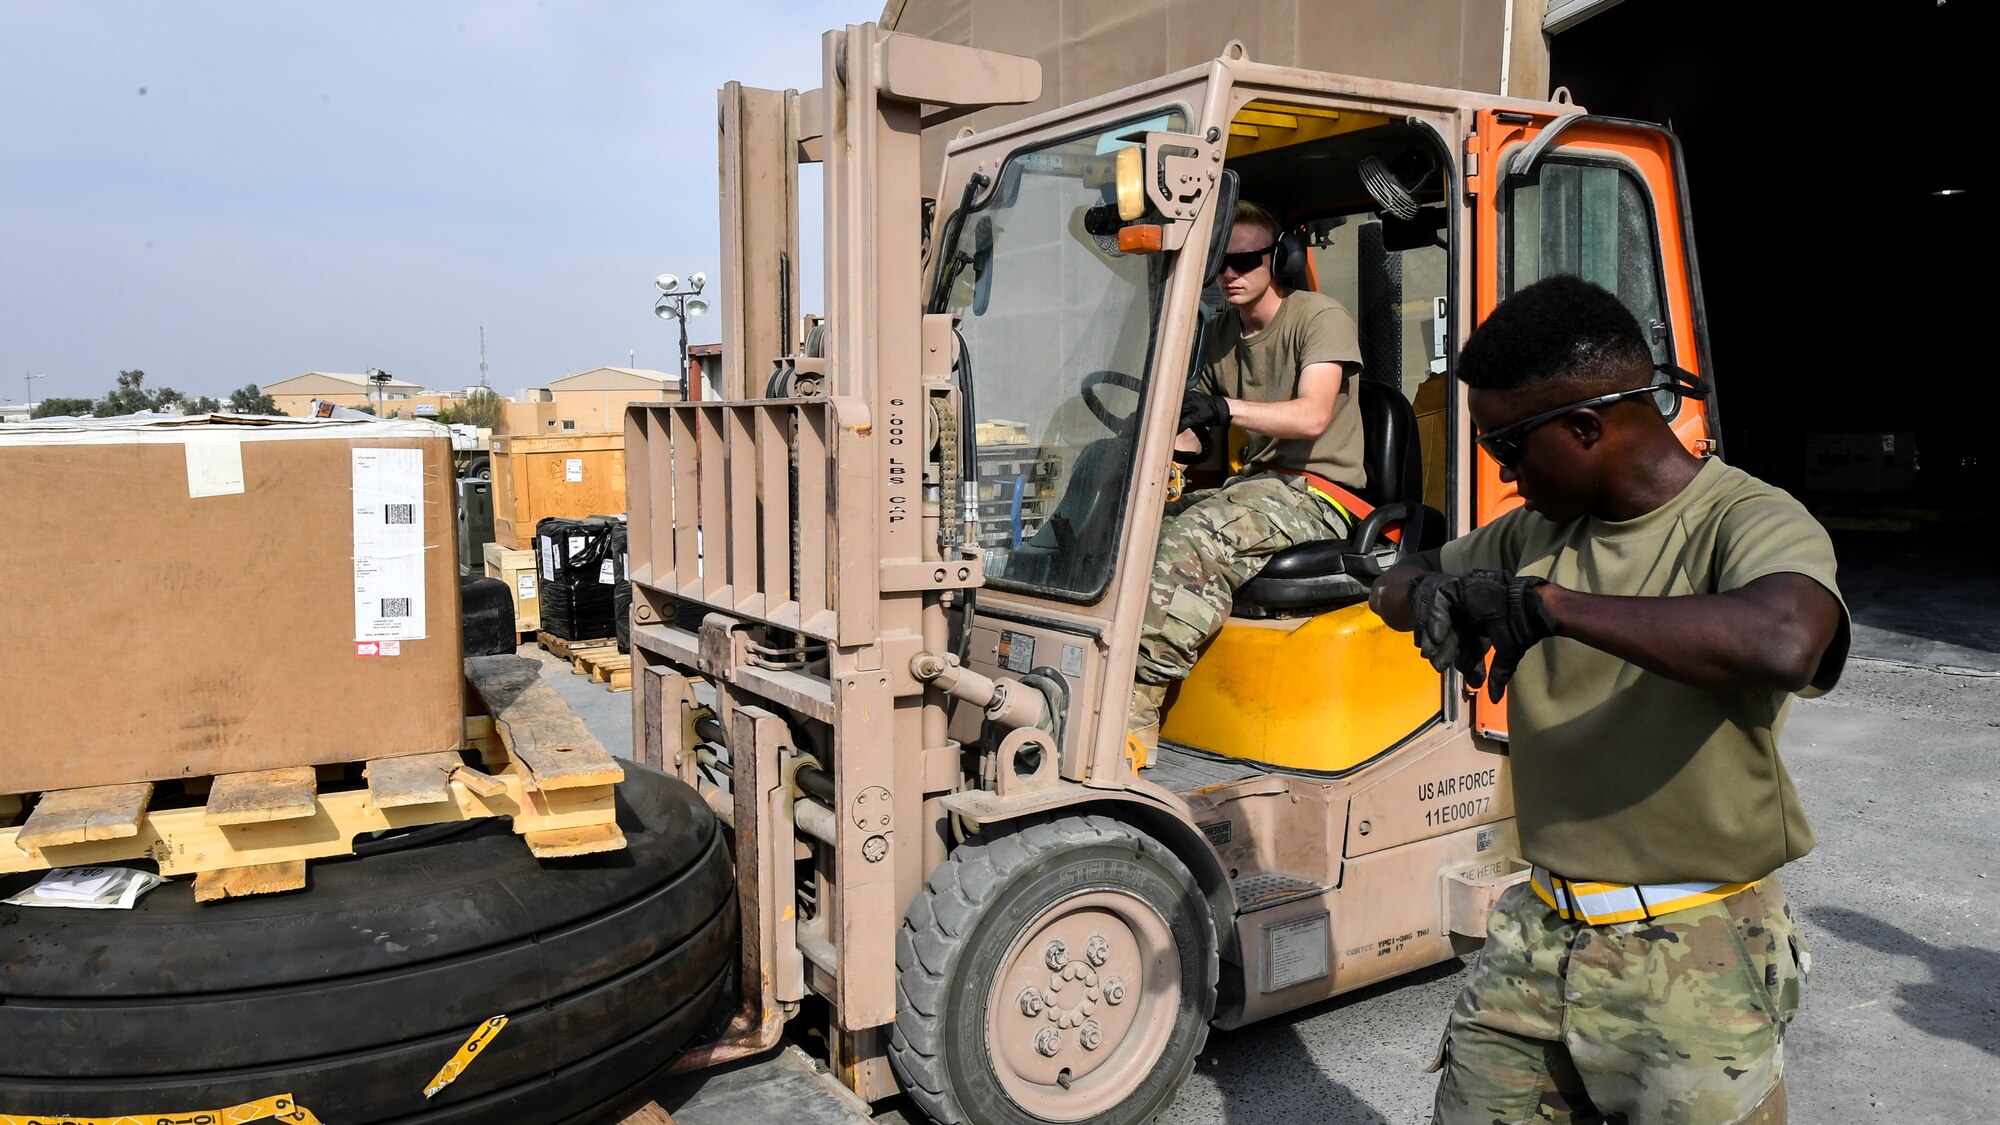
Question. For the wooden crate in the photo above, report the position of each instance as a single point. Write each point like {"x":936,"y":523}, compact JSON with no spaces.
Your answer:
{"x":570,"y":475}
{"x":516,"y":568}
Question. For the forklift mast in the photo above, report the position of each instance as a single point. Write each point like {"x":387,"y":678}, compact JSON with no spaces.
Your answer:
{"x":808,"y":508}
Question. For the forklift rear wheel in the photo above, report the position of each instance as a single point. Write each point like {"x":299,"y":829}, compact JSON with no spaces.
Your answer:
{"x":1062,"y":972}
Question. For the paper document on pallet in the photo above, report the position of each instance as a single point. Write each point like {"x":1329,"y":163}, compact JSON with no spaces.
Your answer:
{"x":89,"y":888}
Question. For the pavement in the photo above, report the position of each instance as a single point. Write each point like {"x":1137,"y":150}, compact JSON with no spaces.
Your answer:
{"x":607,"y":713}
{"x":1899,"y":771}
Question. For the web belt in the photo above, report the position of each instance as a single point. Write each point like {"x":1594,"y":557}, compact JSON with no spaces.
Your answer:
{"x":1601,"y":904}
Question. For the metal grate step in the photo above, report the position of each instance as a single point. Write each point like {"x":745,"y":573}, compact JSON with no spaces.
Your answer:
{"x":1271,"y":888}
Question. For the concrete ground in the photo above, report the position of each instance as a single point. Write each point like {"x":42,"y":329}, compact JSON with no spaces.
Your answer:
{"x":1899,"y":770}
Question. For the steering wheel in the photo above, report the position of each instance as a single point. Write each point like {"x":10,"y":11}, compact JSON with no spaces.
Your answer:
{"x":1115,"y":423}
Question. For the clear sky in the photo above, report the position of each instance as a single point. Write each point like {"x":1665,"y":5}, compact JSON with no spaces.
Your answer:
{"x":222,"y":194}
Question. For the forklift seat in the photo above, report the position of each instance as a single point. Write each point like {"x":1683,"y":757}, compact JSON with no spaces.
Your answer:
{"x":1329,"y":573}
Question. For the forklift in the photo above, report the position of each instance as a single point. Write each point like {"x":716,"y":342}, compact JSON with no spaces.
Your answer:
{"x":887,"y":591}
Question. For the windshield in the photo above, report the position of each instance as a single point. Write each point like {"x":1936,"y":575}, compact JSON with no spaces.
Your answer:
{"x":1059,"y":327}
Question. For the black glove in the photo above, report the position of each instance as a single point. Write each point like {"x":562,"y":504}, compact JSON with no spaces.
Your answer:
{"x":1444,"y":636}
{"x":1200,"y":411}
{"x":1507,"y":612}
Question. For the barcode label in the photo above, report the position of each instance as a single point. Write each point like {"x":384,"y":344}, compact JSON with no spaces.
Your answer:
{"x":390,"y":547}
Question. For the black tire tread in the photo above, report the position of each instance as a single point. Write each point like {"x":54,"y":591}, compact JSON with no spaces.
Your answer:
{"x":606,"y":965}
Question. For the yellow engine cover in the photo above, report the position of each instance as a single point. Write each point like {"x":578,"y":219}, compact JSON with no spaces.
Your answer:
{"x":1319,"y":693}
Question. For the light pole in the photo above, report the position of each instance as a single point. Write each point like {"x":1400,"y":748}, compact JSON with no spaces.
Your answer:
{"x":30,"y":403}
{"x":679,"y":304}
{"x":379,"y":379}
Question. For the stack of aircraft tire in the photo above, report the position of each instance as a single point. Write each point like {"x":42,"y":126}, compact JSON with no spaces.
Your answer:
{"x":352,"y":994}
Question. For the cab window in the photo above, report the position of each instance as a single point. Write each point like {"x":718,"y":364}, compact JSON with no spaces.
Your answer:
{"x":1058,"y":325}
{"x":1594,"y":221}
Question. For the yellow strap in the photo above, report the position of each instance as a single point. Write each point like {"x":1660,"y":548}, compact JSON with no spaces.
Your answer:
{"x":277,"y":1107}
{"x":1650,"y":910}
{"x":1337,"y":505}
{"x":476,"y":1042}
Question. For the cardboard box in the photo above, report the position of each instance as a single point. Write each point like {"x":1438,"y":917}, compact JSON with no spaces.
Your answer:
{"x":194,"y":596}
{"x":517,"y":569}
{"x":567,"y":475}
{"x":1861,"y":462}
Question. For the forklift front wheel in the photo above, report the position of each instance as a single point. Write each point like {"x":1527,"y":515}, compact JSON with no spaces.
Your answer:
{"x":1062,"y":972}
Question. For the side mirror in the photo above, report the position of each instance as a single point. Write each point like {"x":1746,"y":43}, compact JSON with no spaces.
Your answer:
{"x":982,"y":264}
{"x":1226,"y":194}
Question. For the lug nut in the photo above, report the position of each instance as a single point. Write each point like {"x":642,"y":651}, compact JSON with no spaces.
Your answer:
{"x":1114,"y":991}
{"x":1097,"y":951}
{"x":1031,"y":1002}
{"x":1048,"y":1041}
{"x":1056,"y":955}
{"x":1090,"y":1035}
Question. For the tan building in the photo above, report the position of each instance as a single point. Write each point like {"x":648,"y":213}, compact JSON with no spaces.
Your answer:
{"x":593,"y":402}
{"x":531,"y":411}
{"x":294,"y":396}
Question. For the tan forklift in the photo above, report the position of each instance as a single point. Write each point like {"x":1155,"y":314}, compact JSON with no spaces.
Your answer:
{"x":918,"y":549}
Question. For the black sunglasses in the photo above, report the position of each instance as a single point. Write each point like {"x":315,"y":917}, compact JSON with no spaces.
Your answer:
{"x":1243,"y":261}
{"x":1505,"y":444}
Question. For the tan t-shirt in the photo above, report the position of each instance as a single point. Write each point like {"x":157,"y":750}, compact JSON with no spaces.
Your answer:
{"x":1309,"y":328}
{"x":1624,"y":776}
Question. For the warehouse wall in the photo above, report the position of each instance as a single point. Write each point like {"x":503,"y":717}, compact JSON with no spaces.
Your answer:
{"x":1091,"y":47}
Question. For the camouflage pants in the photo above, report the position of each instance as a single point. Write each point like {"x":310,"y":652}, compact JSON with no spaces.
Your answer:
{"x":1212,"y":542}
{"x":1676,"y":1021}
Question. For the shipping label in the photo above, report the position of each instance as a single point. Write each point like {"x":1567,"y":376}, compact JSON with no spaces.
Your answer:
{"x":214,"y":465}
{"x":388,"y":544}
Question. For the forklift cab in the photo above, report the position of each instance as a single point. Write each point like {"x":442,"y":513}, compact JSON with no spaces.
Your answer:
{"x":1061,"y":395}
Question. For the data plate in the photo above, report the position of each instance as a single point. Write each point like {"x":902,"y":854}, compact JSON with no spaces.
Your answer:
{"x":1017,"y":651}
{"x":1295,"y":952}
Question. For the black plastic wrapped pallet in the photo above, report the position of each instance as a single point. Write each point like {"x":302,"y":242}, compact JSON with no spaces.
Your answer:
{"x":621,"y":594}
{"x":578,"y":576}
{"x":487,"y":619}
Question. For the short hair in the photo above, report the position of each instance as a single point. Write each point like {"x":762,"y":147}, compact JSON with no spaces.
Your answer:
{"x":1248,"y":212}
{"x":1560,"y":328}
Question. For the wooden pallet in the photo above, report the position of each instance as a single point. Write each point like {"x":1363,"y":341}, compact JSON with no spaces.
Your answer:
{"x":528,"y":757}
{"x":566,"y":649}
{"x":604,"y":665}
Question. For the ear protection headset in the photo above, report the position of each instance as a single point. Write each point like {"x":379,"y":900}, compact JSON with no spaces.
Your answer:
{"x":1290,"y":251}
{"x":1288,"y":248}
